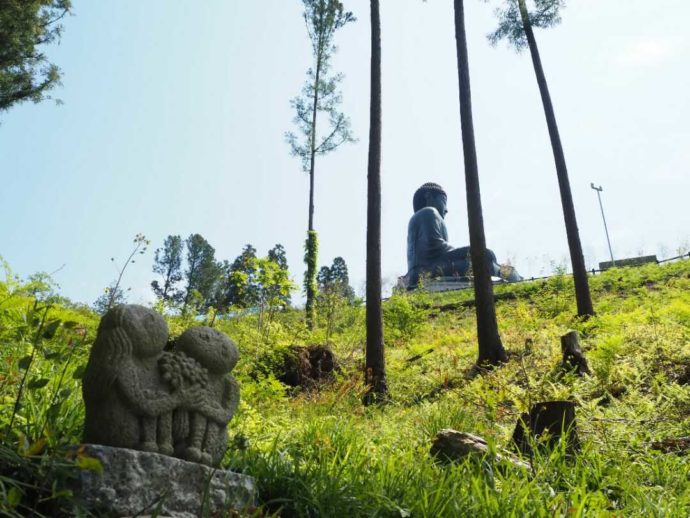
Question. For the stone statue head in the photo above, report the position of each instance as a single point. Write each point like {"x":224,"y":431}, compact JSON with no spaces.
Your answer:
{"x":126,"y":332}
{"x":211,"y":348}
{"x":430,"y":195}
{"x":133,"y":330}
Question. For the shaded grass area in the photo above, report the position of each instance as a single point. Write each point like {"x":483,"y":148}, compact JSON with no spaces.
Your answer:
{"x":320,"y":453}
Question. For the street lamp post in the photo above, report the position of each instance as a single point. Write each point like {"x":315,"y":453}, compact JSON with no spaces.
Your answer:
{"x":601,"y":206}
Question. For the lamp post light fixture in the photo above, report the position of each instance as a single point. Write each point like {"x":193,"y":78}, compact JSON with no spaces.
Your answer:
{"x":601,"y":206}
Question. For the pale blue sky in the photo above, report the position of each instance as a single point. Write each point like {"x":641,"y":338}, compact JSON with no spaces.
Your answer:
{"x":174,"y":114}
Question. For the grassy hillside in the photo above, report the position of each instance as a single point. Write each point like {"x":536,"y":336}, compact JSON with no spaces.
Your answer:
{"x":319,"y":452}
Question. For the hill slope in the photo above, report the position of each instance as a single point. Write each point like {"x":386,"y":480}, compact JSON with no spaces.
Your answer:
{"x":318,"y":452}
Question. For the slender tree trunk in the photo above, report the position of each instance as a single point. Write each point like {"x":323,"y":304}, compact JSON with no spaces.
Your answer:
{"x":582,"y":294}
{"x":168,"y":283}
{"x":491,"y":350}
{"x":375,"y":375}
{"x":312,"y":151}
{"x":311,"y":259}
{"x":190,"y":282}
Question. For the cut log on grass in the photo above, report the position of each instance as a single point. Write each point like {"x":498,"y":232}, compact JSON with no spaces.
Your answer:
{"x":546,"y":423}
{"x":677,"y":445}
{"x":453,"y":446}
{"x":573,"y":358}
{"x":420,"y":355}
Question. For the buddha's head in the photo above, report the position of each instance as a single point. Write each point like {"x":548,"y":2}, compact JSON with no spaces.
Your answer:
{"x":430,"y":195}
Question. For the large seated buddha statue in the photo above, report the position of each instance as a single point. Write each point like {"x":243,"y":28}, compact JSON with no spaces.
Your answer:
{"x":428,"y":251}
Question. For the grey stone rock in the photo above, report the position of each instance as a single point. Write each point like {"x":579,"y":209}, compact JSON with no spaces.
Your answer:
{"x":452,"y":446}
{"x":141,"y":397}
{"x":135,"y":483}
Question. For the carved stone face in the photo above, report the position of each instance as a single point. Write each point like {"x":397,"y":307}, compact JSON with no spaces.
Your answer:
{"x":438,"y":201}
{"x":211,"y":348}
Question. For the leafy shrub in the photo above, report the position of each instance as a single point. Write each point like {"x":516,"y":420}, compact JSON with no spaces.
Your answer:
{"x":402,"y":318}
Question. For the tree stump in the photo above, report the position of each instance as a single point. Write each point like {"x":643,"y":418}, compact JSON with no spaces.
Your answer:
{"x":547,"y":422}
{"x":573,"y":358}
{"x":306,"y":367}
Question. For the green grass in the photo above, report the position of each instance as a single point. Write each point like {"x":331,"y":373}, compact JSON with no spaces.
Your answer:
{"x":321,"y":453}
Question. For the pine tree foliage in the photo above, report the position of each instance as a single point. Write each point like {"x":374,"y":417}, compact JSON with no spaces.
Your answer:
{"x":168,"y":264}
{"x":202,"y":272}
{"x":278,"y":255}
{"x":335,"y":280}
{"x":334,"y":292}
{"x":246,"y":282}
{"x":321,"y":91}
{"x":546,"y":13}
{"x":25,"y":27}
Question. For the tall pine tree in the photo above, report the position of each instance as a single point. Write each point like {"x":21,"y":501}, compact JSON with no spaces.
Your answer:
{"x":320,"y":95}
{"x":491,"y":351}
{"x":375,"y":365}
{"x":515,"y":24}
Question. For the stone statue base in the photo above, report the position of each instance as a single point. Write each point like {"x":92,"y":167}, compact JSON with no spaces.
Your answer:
{"x":442,"y":283}
{"x":135,"y":483}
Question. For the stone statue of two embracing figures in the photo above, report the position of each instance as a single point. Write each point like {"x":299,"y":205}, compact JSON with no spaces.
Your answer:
{"x":139,"y":395}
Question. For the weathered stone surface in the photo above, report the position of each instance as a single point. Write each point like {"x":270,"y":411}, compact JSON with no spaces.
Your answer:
{"x":200,"y":431}
{"x":630,"y":261}
{"x":141,"y":397}
{"x":451,"y":446}
{"x":135,"y":483}
{"x":438,"y":284}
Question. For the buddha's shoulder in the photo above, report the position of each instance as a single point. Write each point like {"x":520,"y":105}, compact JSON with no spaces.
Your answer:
{"x":425,"y":214}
